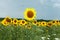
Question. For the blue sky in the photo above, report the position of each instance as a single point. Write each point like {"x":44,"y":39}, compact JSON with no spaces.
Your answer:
{"x":46,"y":9}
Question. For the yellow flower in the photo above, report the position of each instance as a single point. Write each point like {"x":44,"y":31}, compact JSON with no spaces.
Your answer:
{"x":49,"y":24}
{"x":43,"y":23}
{"x":59,"y":23}
{"x":15,"y":22}
{"x":38,"y":24}
{"x":30,"y":14}
{"x":19,"y":21}
{"x":28,"y":27}
{"x":23,"y":22}
{"x":55,"y":22}
{"x":34,"y":22}
{"x":8,"y":19}
{"x":5,"y":23}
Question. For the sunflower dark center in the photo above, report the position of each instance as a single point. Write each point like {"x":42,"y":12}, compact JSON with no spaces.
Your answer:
{"x":43,"y":23}
{"x":30,"y":14}
{"x":34,"y":21}
{"x":8,"y":20}
{"x":23,"y":22}
{"x":37,"y":24}
{"x":49,"y":24}
{"x":53,"y":21}
{"x":57,"y":21}
{"x":28,"y":26}
{"x":15,"y":21}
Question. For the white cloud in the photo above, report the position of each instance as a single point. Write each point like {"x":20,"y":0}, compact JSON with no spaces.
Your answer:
{"x":56,"y":1}
{"x":57,"y":5}
{"x":42,"y":1}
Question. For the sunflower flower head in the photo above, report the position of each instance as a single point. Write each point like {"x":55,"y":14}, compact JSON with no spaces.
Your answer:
{"x":43,"y":23}
{"x":5,"y":23}
{"x":38,"y":24}
{"x":49,"y":24}
{"x":34,"y":22}
{"x":55,"y":22}
{"x":28,"y":27}
{"x":23,"y":22}
{"x":15,"y":21}
{"x":30,"y":14}
{"x":8,"y":19}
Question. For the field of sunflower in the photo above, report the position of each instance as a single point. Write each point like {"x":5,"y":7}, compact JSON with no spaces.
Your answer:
{"x":29,"y":28}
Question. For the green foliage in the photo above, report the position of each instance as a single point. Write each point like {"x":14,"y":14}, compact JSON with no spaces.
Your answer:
{"x":35,"y":33}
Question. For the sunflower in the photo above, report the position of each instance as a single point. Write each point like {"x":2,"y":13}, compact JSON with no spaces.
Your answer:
{"x":29,"y":14}
{"x":34,"y":22}
{"x":23,"y":22}
{"x":28,"y":27}
{"x":5,"y":23}
{"x":19,"y":21}
{"x":55,"y":22}
{"x":43,"y":23}
{"x":8,"y":19}
{"x":59,"y":23}
{"x":38,"y":24}
{"x":15,"y":22}
{"x":49,"y":24}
